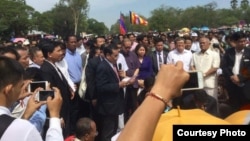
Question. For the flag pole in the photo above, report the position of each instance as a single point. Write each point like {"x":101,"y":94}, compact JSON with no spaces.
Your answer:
{"x":131,"y":22}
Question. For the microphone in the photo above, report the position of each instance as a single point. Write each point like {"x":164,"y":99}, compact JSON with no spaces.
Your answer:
{"x":119,"y":66}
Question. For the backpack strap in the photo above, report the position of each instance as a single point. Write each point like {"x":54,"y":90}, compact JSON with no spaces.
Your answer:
{"x":6,"y":120}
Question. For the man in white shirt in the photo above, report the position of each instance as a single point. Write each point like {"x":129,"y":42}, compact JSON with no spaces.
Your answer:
{"x":195,"y":44}
{"x":122,"y":68}
{"x":180,"y":54}
{"x":11,"y":74}
{"x":207,"y":61}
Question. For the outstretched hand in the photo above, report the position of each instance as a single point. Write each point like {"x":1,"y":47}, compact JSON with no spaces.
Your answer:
{"x":169,"y":80}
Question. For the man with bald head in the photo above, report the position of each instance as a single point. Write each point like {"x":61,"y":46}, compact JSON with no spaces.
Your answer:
{"x":207,"y":61}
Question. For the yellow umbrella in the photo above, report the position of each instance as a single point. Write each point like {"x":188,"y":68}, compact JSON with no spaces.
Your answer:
{"x":240,"y":117}
{"x":164,"y":128}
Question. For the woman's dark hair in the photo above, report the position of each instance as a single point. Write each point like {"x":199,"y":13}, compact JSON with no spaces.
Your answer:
{"x":138,"y":47}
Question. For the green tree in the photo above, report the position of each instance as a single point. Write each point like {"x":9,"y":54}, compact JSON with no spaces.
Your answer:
{"x":227,"y":17}
{"x":63,"y":24}
{"x":164,"y":18}
{"x":234,"y":4}
{"x":14,"y":17}
{"x":44,"y":22}
{"x":95,"y":27}
{"x":22,"y":1}
{"x":79,"y":10}
{"x":244,"y":4}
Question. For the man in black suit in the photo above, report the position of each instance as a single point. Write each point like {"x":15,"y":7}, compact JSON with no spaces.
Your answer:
{"x":90,"y":73}
{"x":91,"y":91}
{"x":236,"y":69}
{"x":110,"y":95}
{"x":159,"y":56}
{"x":52,"y":52}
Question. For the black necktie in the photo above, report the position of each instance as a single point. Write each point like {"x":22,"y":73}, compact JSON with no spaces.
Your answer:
{"x":160,"y":59}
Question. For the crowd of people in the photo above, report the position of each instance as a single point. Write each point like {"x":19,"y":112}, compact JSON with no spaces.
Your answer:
{"x":103,"y":84}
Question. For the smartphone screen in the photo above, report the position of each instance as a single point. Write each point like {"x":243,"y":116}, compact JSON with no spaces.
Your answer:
{"x":193,"y":81}
{"x":43,"y":95}
{"x":34,"y":85}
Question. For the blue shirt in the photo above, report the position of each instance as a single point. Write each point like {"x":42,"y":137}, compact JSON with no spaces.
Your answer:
{"x":74,"y":62}
{"x":38,"y":118}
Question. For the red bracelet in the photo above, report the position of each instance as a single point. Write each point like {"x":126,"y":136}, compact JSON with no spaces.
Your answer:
{"x":158,"y":97}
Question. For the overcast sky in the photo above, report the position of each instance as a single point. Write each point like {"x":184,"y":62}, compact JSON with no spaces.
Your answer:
{"x":108,"y":11}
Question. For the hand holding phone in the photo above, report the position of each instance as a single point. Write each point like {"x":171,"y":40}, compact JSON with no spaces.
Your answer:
{"x":54,"y":105}
{"x":32,"y":107}
{"x":44,"y":94}
{"x":195,"y":81}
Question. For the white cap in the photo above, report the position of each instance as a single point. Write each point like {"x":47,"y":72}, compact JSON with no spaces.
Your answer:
{"x":194,"y":34}
{"x":26,"y":42}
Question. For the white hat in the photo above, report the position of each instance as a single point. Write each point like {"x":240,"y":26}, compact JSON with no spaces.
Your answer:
{"x":194,"y":34}
{"x":26,"y":42}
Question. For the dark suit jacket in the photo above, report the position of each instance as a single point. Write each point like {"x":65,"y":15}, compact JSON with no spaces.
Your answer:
{"x":110,"y":98}
{"x":154,"y":56}
{"x":50,"y":74}
{"x":90,"y":73}
{"x":228,"y":64}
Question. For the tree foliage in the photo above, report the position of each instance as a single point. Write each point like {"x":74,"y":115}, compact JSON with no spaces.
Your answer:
{"x":96,"y":27}
{"x":78,"y":10}
{"x":164,"y":17}
{"x":244,"y":4}
{"x":71,"y":17}
{"x":234,"y":4}
{"x":14,"y":17}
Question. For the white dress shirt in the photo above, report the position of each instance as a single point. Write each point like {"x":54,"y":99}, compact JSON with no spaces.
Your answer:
{"x":196,"y":46}
{"x":81,"y":49}
{"x":63,"y":66}
{"x":185,"y":57}
{"x":23,"y":130}
{"x":238,"y":56}
{"x":205,"y":61}
{"x":32,"y":64}
{"x":162,"y":58}
{"x":121,"y":60}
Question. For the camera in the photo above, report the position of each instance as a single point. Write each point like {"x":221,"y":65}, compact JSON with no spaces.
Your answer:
{"x":43,"y":95}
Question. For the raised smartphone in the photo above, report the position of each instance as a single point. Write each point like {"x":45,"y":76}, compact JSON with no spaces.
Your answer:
{"x":195,"y":81}
{"x":36,"y":84}
{"x":43,"y":95}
